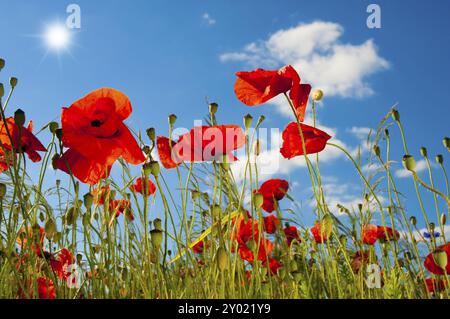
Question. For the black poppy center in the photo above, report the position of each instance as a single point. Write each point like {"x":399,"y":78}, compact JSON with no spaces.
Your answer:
{"x":96,"y":123}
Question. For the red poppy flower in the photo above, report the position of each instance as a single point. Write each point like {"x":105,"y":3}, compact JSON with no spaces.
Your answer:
{"x":93,"y":127}
{"x":165,"y":147}
{"x":274,"y":265}
{"x":22,"y":139}
{"x":119,"y":206}
{"x":271,"y":223}
{"x":100,"y":195}
{"x":258,"y":86}
{"x":435,"y":285}
{"x":273,"y":191}
{"x":60,"y":265}
{"x":246,"y":230}
{"x":207,"y":143}
{"x":264,"y":250}
{"x":198,"y":247}
{"x":431,"y":265}
{"x":139,"y":187}
{"x":315,"y":140}
{"x":369,"y":234}
{"x":46,"y":288}
{"x":387,"y":233}
{"x":291,"y":233}
{"x":319,"y":235}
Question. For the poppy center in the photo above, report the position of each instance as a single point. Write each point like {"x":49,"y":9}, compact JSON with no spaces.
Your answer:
{"x":96,"y":123}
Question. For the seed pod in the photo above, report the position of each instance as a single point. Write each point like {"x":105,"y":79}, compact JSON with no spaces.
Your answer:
{"x":423,"y":151}
{"x":53,"y":126}
{"x":260,"y":120}
{"x":19,"y":117}
{"x":151,"y":133}
{"x":71,"y":216}
{"x":409,"y":163}
{"x":222,"y":258}
{"x":172,"y":119}
{"x":440,"y":159}
{"x":258,"y":200}
{"x":396,"y":115}
{"x":50,"y":228}
{"x":248,"y":119}
{"x":157,"y":223}
{"x":446,"y":143}
{"x":413,"y":220}
{"x":88,"y":199}
{"x":376,"y":150}
{"x":386,"y":132}
{"x":13,"y":81}
{"x":317,"y":95}
{"x":440,"y":258}
{"x":2,"y":64}
{"x":443,"y":219}
{"x":213,"y":107}
{"x":155,"y":168}
{"x":156,"y":237}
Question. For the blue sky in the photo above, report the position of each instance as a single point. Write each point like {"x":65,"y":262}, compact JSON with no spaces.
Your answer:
{"x":169,"y":57}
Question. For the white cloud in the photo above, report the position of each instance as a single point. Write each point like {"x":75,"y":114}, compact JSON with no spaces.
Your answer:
{"x":208,"y":19}
{"x":315,"y":51}
{"x":404,"y":173}
{"x":360,"y":132}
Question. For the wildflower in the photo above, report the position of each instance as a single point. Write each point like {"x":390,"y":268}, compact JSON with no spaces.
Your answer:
{"x":165,"y":146}
{"x":321,"y":230}
{"x":199,"y":247}
{"x":273,"y":191}
{"x":271,"y":223}
{"x":31,"y":238}
{"x":387,"y":234}
{"x":315,"y":140}
{"x":119,"y":206}
{"x":46,"y":288}
{"x":291,"y":234}
{"x":264,"y":250}
{"x":369,"y":234}
{"x":101,"y":194}
{"x":436,"y":263}
{"x":139,"y":187}
{"x":435,"y":285}
{"x":94,"y":132}
{"x":428,"y":235}
{"x":274,"y":265}
{"x":259,"y":86}
{"x":60,"y":264}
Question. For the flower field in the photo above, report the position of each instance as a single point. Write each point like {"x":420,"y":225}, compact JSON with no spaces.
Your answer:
{"x":208,"y":235}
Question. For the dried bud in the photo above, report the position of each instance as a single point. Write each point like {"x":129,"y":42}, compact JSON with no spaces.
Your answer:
{"x":151,"y":134}
{"x":88,"y":199}
{"x":156,"y":237}
{"x":257,"y":147}
{"x":413,"y":220}
{"x":409,"y":163}
{"x":376,"y":150}
{"x":443,"y":219}
{"x":213,"y":107}
{"x":146,"y":149}
{"x":172,"y":119}
{"x":386,"y":132}
{"x":396,"y":115}
{"x":53,"y":126}
{"x":19,"y":117}
{"x":440,"y":159}
{"x":13,"y":82}
{"x":317,"y":95}
{"x":446,"y":143}
{"x":248,"y":119}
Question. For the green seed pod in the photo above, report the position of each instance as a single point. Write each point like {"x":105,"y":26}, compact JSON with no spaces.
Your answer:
{"x":297,"y":276}
{"x":260,"y":120}
{"x":248,"y":120}
{"x":19,"y":117}
{"x":216,"y":211}
{"x":13,"y":82}
{"x":213,"y":107}
{"x":146,"y":149}
{"x":317,"y":95}
{"x":71,"y":216}
{"x":50,"y":228}
{"x":413,"y":220}
{"x":222,"y":258}
{"x":53,"y":126}
{"x":258,"y":200}
{"x":172,"y":119}
{"x":293,"y":266}
{"x":2,"y":64}
{"x":446,"y":143}
{"x":157,"y":223}
{"x":440,"y":258}
{"x":376,"y":150}
{"x":86,"y":220}
{"x":396,"y":115}
{"x":409,"y":163}
{"x":151,"y":133}
{"x":443,"y":219}
{"x":2,"y":190}
{"x":423,"y":151}
{"x":155,"y":168}
{"x":156,"y":237}
{"x":440,"y":159}
{"x":88,"y":199}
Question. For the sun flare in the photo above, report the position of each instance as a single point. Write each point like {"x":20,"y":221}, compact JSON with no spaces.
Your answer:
{"x":57,"y":36}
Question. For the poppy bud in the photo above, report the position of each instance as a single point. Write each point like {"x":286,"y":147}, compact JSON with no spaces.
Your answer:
{"x":151,"y":134}
{"x":157,"y":224}
{"x":154,"y":168}
{"x":2,"y":90}
{"x":446,"y":142}
{"x":88,"y":199}
{"x":213,"y":107}
{"x":71,"y":216}
{"x":195,"y":195}
{"x":413,"y":220}
{"x":19,"y":117}
{"x":440,"y":159}
{"x":443,"y":219}
{"x":13,"y":82}
{"x":409,"y":163}
{"x":258,"y":200}
{"x":317,"y":95}
{"x":222,"y":258}
{"x":2,"y":64}
{"x":50,"y":227}
{"x":423,"y":151}
{"x":376,"y":150}
{"x":248,"y":119}
{"x":440,"y":258}
{"x":172,"y":119}
{"x":146,"y":149}
{"x":396,"y":115}
{"x":2,"y":190}
{"x":386,"y":132}
{"x":156,"y":237}
{"x":53,"y":126}
{"x":260,"y":120}
{"x":59,"y":133}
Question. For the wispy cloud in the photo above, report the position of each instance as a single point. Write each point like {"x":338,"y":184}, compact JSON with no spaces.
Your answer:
{"x":404,"y":173}
{"x":315,"y":51}
{"x":360,"y":132}
{"x":208,"y":19}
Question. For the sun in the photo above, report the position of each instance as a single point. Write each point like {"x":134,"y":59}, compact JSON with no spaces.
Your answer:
{"x":57,"y":36}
